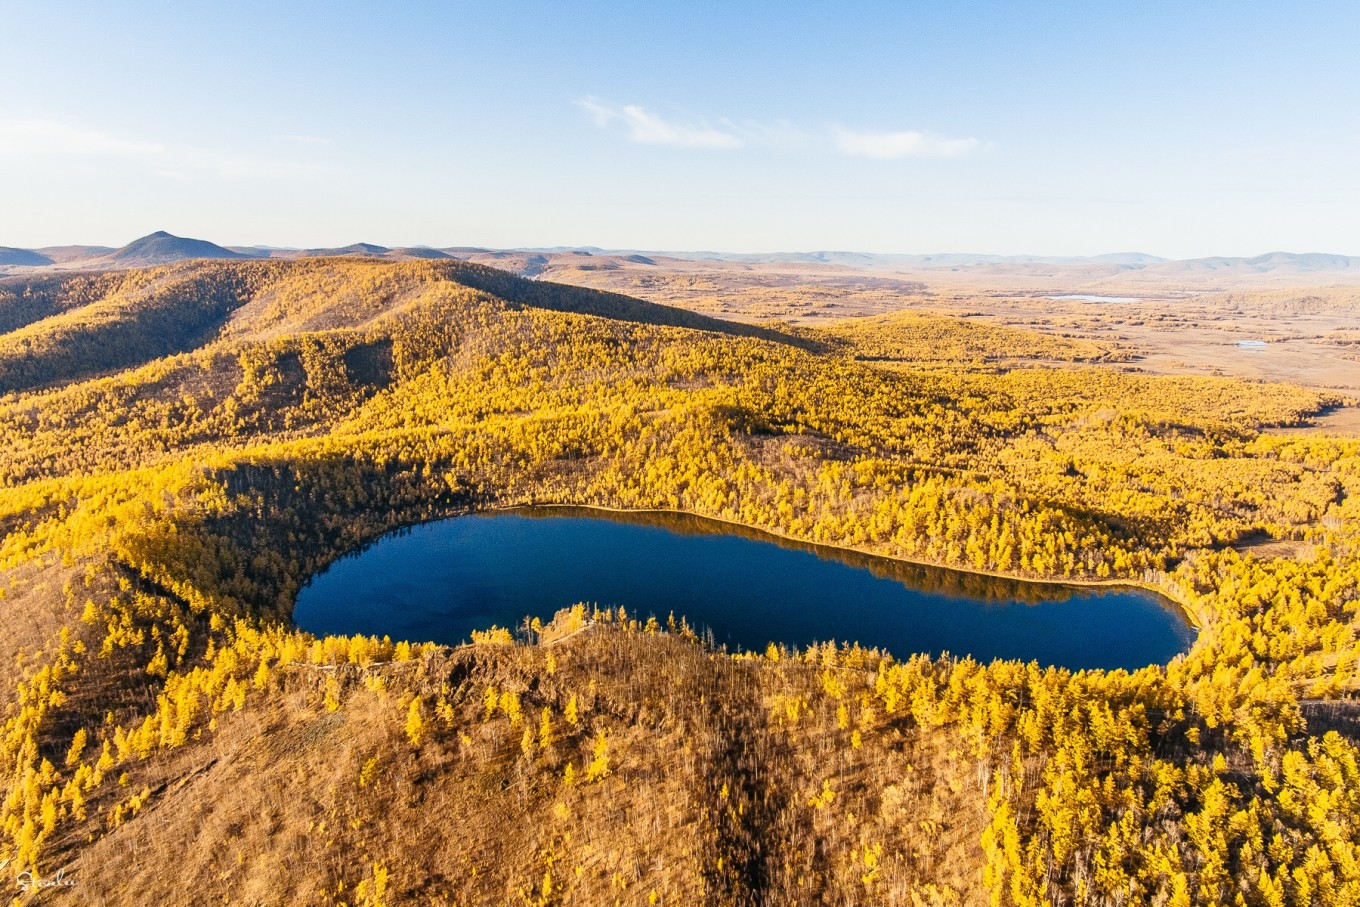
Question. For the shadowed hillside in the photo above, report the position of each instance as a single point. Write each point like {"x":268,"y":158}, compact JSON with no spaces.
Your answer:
{"x":23,"y":258}
{"x":136,"y":319}
{"x":64,"y":328}
{"x":26,"y":300}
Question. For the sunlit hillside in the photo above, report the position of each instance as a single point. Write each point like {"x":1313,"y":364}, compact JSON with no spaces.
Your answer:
{"x":186,"y":445}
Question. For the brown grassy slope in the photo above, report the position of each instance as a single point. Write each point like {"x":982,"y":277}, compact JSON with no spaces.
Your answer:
{"x":35,"y":610}
{"x":711,"y":797}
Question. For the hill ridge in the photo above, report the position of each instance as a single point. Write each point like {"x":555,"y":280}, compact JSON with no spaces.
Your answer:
{"x":162,"y":242}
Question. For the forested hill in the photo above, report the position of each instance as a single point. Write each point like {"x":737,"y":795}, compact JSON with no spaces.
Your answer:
{"x":69,"y":327}
{"x":186,"y":445}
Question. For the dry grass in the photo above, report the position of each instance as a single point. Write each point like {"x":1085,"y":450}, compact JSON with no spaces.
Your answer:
{"x":707,"y":799}
{"x":1182,"y":324}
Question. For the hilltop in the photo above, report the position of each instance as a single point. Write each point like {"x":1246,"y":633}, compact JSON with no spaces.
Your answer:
{"x":153,"y":249}
{"x":161,"y":248}
{"x":187,"y":444}
{"x":23,"y":258}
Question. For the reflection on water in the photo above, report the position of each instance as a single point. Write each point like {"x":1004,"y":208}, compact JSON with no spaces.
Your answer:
{"x":439,"y":581}
{"x":920,"y":577}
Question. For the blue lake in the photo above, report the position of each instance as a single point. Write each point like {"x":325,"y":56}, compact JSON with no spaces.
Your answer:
{"x":439,"y":581}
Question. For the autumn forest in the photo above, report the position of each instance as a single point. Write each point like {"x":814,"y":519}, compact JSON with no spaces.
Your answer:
{"x":185,"y":445}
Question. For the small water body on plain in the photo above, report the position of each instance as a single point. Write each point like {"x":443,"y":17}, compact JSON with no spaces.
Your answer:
{"x":1252,"y":345}
{"x":442,"y":580}
{"x":1086,"y":297}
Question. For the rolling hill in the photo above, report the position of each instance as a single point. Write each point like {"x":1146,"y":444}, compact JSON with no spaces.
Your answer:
{"x":161,"y":248}
{"x":1270,"y":263}
{"x":23,"y":258}
{"x":63,"y":255}
{"x":358,"y":248}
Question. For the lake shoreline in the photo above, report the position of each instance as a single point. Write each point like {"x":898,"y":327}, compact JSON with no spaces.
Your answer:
{"x":1182,"y":608}
{"x":442,"y":579}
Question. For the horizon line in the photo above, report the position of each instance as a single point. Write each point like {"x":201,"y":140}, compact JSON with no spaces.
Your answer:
{"x":697,"y":252}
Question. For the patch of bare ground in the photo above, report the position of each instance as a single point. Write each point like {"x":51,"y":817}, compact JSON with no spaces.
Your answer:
{"x":1268,"y":548}
{"x":1343,"y":421}
{"x":36,"y":605}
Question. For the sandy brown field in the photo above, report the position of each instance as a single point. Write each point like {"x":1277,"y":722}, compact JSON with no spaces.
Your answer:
{"x":1257,"y":327}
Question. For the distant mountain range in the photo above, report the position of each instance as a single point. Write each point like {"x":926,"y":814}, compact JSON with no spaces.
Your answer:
{"x":164,"y":248}
{"x":915,"y":262}
{"x":161,"y":248}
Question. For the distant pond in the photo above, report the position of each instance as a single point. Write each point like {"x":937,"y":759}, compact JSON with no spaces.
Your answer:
{"x":1088,"y":297}
{"x":440,"y":581}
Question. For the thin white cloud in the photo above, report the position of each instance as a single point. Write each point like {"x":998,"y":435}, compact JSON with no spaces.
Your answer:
{"x":647,"y":128}
{"x":45,"y":139}
{"x":887,"y":146}
{"x":38,"y":137}
{"x":779,"y":134}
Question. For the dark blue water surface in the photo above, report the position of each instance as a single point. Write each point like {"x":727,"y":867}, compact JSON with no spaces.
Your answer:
{"x":439,"y":581}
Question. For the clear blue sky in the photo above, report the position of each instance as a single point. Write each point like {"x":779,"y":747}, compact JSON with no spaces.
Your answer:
{"x":1181,"y":129}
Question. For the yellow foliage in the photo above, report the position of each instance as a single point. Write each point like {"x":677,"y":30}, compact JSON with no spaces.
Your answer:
{"x":415,"y":721}
{"x":599,"y":762}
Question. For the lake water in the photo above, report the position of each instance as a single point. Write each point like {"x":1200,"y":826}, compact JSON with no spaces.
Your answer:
{"x":441,"y":580}
{"x":1086,"y":297}
{"x":1253,"y":345}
